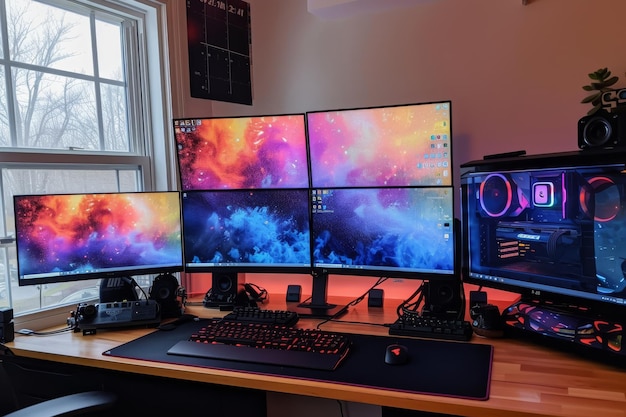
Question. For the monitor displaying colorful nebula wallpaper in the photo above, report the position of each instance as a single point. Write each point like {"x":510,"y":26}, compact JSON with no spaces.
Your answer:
{"x":247,"y":230}
{"x":390,"y":232}
{"x":67,"y":237}
{"x":242,"y":152}
{"x":403,"y":145}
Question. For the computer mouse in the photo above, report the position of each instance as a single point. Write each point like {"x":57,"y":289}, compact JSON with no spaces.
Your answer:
{"x":396,"y":354}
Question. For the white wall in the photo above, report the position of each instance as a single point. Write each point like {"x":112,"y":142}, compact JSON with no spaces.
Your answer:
{"x":514,"y":73}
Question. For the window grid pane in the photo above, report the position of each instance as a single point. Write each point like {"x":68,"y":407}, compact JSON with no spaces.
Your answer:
{"x":49,"y":36}
{"x":61,"y":102}
{"x":65,"y":119}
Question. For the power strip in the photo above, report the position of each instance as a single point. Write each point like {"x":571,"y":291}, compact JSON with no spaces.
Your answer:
{"x":90,"y":317}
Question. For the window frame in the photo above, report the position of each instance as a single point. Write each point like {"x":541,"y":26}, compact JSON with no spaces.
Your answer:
{"x":149,"y":115}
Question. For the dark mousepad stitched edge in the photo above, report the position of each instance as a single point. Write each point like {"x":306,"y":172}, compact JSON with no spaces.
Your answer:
{"x":436,"y":367}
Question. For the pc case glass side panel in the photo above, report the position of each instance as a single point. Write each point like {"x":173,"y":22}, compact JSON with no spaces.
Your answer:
{"x":404,"y":145}
{"x":242,"y":152}
{"x":384,"y":231}
{"x":553,"y":233}
{"x":260,"y":230}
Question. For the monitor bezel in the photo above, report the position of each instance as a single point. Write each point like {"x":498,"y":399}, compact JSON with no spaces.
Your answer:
{"x":126,"y":271}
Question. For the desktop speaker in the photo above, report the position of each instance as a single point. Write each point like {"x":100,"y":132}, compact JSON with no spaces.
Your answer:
{"x":7,"y":332}
{"x":224,"y":290}
{"x":167,"y":292}
{"x":7,"y":328}
{"x":442,"y":298}
{"x":602,"y":130}
{"x":6,"y":315}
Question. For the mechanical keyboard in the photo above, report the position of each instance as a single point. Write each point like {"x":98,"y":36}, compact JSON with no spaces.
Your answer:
{"x":256,"y":315}
{"x":263,"y":343}
{"x":432,"y":328}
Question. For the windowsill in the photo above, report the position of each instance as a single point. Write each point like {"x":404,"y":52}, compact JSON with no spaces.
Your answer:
{"x":45,"y":319}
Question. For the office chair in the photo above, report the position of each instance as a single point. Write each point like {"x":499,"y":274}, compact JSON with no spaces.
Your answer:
{"x":89,"y":402}
{"x":82,"y":403}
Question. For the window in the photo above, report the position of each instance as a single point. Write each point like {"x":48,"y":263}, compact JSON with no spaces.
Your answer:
{"x":75,"y":114}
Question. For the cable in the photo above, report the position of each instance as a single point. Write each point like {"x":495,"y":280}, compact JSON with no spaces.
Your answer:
{"x":353,"y":302}
{"x":29,"y":332}
{"x":365,"y":323}
{"x":411,"y":307}
{"x":132,"y":282}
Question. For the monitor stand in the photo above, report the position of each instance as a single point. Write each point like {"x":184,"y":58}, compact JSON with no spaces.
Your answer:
{"x":317,"y":306}
{"x":579,"y":327}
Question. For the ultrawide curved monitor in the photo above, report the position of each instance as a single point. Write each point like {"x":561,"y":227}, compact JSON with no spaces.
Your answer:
{"x":67,"y":237}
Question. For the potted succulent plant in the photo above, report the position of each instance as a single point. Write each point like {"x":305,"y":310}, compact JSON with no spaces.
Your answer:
{"x":601,"y":82}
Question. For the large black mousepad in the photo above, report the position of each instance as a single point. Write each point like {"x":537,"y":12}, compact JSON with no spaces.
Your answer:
{"x":436,"y":367}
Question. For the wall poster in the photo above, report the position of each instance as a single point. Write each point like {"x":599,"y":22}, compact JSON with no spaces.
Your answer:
{"x":218,"y":36}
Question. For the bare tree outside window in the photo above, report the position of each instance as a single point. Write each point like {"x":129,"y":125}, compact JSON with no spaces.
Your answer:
{"x":61,"y":100}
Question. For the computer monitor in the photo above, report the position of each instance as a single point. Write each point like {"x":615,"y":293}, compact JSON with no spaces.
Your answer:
{"x":385,"y":232}
{"x":68,"y":237}
{"x":242,"y":152}
{"x":383,"y":179}
{"x":400,"y":145}
{"x":405,"y":149}
{"x":551,"y":228}
{"x":231,"y":231}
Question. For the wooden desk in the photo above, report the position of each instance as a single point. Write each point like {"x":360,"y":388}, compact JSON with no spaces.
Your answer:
{"x":527,"y":379}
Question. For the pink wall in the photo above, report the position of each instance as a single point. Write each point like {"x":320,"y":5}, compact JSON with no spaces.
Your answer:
{"x":514,"y":73}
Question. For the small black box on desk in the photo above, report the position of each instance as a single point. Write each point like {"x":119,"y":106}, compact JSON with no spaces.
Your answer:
{"x":7,"y":328}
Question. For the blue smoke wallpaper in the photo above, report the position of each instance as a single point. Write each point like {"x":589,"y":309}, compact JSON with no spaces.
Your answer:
{"x":247,"y":227}
{"x":409,"y":229}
